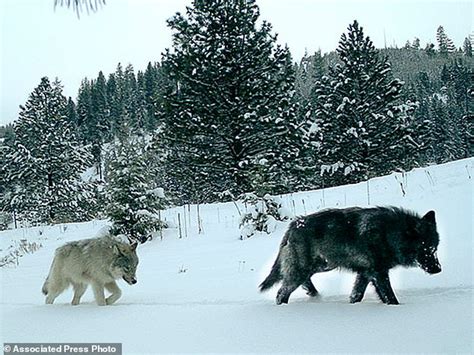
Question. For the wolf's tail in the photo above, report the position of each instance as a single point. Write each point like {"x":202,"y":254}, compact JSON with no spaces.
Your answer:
{"x":275,"y":274}
{"x":273,"y":278}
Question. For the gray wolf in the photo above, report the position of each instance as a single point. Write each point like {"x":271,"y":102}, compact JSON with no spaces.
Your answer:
{"x":96,"y":261}
{"x":367,"y":241}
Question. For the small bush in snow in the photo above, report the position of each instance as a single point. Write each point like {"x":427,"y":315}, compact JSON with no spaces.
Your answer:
{"x":17,"y":250}
{"x":5,"y":220}
{"x":262,"y":214}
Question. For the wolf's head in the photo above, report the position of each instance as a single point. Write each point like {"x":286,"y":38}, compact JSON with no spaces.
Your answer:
{"x":126,"y":261}
{"x":428,"y":244}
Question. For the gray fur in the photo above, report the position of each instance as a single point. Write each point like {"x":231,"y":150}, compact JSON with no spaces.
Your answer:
{"x":368,"y":241}
{"x":98,"y":262}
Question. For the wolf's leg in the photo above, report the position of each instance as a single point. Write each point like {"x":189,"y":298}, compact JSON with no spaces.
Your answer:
{"x":283,"y":295}
{"x":290,"y":283}
{"x":99,"y":293}
{"x":360,"y":285}
{"x":383,"y":288}
{"x":308,"y":286}
{"x":295,"y":269}
{"x":113,"y":288}
{"x":79,"y":289}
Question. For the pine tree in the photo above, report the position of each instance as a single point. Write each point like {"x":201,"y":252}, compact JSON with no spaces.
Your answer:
{"x":133,"y":199}
{"x":416,"y":43}
{"x":99,"y":130}
{"x":84,"y":112}
{"x":445,"y":44}
{"x":429,"y":49}
{"x":154,"y":87}
{"x":359,"y":128}
{"x":116,"y":97}
{"x":309,"y":71}
{"x":45,"y":161}
{"x":132,"y":113}
{"x":229,"y":101}
{"x":7,"y":138}
{"x":467,"y":47}
{"x":458,"y":84}
{"x":71,"y":112}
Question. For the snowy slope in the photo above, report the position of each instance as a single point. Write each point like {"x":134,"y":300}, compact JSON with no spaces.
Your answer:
{"x":199,"y":293}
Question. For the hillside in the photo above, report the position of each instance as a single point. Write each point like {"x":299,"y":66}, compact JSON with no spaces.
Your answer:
{"x":198,"y":293}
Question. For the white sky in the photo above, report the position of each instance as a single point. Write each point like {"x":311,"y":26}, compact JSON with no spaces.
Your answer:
{"x":38,"y":41}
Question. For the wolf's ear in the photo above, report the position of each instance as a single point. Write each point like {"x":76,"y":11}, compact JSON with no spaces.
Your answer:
{"x":429,"y":217}
{"x":119,"y":250}
{"x":133,"y":246}
{"x":116,"y":250}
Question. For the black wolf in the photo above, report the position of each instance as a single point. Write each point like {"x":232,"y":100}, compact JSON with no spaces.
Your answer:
{"x":368,"y":241}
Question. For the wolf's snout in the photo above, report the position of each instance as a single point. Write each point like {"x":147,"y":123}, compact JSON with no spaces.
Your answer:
{"x":130,"y":280}
{"x":434,"y":270}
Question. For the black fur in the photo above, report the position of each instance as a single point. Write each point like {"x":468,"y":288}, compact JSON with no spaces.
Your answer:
{"x":368,"y":241}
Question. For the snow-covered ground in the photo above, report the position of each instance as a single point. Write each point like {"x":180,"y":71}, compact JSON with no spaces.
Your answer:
{"x":199,"y":293}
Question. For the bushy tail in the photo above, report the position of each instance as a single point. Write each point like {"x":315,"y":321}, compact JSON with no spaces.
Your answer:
{"x":273,"y":278}
{"x":275,"y":274}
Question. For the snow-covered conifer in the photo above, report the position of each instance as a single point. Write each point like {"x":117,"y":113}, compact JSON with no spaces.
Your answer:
{"x":46,"y":160}
{"x":230,"y":98}
{"x":357,"y":129}
{"x":133,"y":200}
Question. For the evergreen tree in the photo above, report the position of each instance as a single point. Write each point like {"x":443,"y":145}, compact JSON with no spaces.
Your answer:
{"x":309,"y":71}
{"x":71,"y":112}
{"x":445,"y":44}
{"x":458,"y":85}
{"x":416,"y":43}
{"x":84,"y":112}
{"x":467,"y":47}
{"x":229,"y":103}
{"x":429,"y":49}
{"x":359,"y":129}
{"x":131,"y":115}
{"x":154,"y":87}
{"x":7,"y":139}
{"x":116,"y":96}
{"x":133,"y":200}
{"x":99,"y":125}
{"x":45,"y":161}
{"x":439,"y":137}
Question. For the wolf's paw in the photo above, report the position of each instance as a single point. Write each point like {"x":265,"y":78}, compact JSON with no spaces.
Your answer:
{"x":356,"y":298}
{"x":110,"y":300}
{"x":312,"y":293}
{"x":282,"y":298}
{"x":279,"y":301}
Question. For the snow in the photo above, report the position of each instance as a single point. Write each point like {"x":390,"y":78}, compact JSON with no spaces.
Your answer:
{"x":199,"y":293}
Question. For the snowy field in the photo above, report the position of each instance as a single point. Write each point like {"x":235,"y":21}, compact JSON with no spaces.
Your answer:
{"x":198,"y":293}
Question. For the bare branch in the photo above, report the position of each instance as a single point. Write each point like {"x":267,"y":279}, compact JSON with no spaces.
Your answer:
{"x":79,"y":5}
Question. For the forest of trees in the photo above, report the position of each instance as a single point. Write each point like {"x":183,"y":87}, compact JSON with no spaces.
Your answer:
{"x":227,"y":111}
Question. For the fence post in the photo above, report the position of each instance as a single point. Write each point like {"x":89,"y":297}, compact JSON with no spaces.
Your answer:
{"x":179,"y":226}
